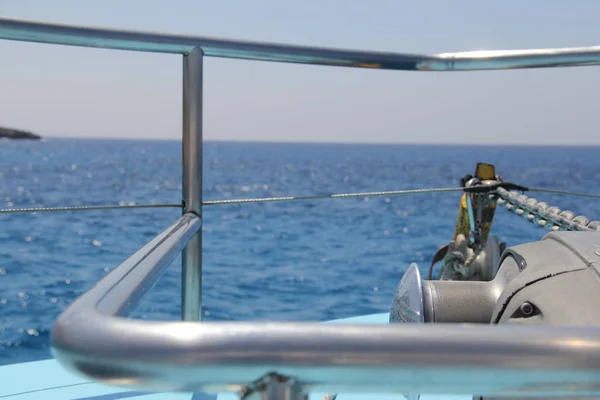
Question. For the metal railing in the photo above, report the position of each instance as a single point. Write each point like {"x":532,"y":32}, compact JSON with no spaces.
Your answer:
{"x":182,"y":44}
{"x":94,"y":338}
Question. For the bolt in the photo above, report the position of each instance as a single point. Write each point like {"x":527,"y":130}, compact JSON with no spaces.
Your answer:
{"x":527,"y":308}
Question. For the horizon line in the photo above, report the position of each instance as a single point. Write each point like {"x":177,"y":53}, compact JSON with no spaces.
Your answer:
{"x":260,"y":141}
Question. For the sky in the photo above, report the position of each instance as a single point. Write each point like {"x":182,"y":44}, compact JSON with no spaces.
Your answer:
{"x":76,"y":92}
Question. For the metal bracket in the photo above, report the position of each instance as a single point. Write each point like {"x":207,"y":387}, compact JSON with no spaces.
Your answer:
{"x":273,"y":386}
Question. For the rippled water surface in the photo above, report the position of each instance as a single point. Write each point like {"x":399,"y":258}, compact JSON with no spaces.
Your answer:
{"x":308,"y":260}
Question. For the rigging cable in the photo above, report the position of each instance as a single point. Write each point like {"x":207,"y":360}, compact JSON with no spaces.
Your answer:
{"x":533,"y":210}
{"x":84,"y":208}
{"x":232,"y":201}
{"x":566,"y":192}
{"x":333,"y":196}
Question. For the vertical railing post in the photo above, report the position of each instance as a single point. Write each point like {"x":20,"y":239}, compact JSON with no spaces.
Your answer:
{"x":191,"y":285}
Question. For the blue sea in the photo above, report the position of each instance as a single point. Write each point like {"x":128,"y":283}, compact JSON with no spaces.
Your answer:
{"x":304,"y":260}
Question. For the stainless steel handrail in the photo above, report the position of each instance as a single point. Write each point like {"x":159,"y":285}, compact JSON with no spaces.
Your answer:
{"x":42,"y":32}
{"x":93,"y":338}
{"x":118,"y":292}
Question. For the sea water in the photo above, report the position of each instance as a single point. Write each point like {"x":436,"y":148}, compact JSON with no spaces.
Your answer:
{"x":303,"y":260}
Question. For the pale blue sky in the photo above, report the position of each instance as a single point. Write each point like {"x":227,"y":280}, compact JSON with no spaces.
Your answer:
{"x":67,"y":91}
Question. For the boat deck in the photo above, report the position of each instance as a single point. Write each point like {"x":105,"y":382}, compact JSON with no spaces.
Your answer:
{"x":47,"y":379}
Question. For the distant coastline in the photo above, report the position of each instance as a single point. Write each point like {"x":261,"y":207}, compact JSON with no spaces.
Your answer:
{"x":10,"y":133}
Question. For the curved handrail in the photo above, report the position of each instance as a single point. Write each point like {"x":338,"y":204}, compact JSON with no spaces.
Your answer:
{"x":42,"y":32}
{"x":94,"y":338}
